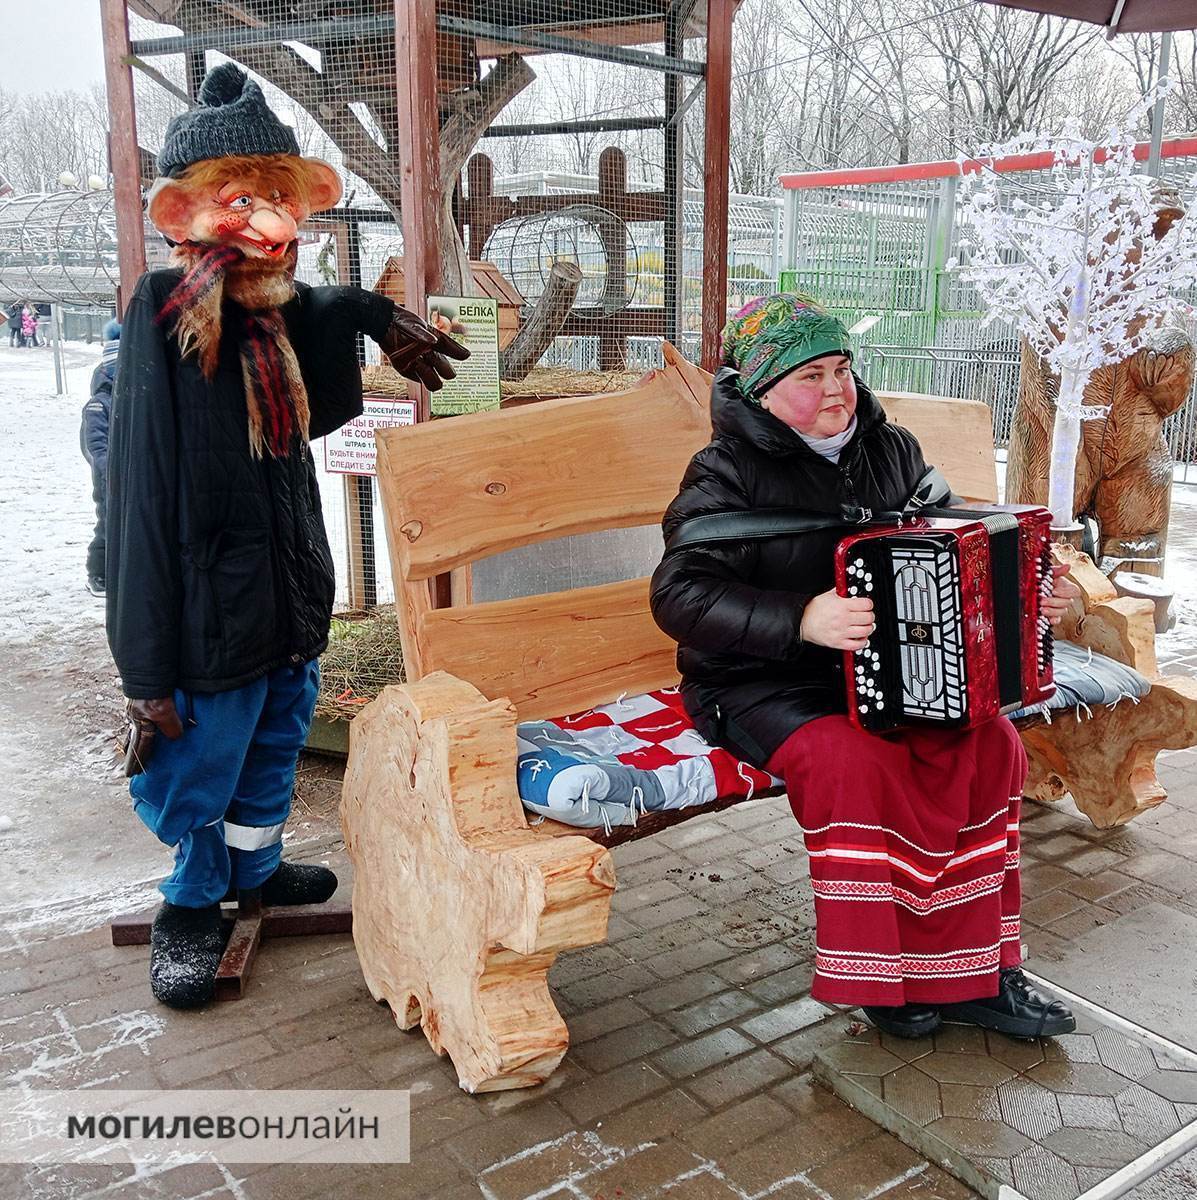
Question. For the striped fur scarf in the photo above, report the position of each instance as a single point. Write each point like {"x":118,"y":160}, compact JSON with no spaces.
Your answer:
{"x":276,"y":400}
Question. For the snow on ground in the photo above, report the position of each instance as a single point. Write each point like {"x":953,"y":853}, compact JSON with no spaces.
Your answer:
{"x":46,"y":513}
{"x":72,"y":852}
{"x":1180,"y":572}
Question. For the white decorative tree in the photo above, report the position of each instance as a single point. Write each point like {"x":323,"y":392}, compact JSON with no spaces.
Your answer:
{"x":1084,"y":263}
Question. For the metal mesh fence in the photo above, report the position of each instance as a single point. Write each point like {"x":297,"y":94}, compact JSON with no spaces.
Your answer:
{"x":879,"y":253}
{"x":571,"y":131}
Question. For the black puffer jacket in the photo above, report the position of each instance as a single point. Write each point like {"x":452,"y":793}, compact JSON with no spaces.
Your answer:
{"x":735,"y":609}
{"x":218,"y":567}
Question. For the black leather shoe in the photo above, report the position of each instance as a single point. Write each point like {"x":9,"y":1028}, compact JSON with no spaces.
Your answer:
{"x":295,"y":883}
{"x":904,"y":1021}
{"x":1017,"y":1010}
{"x":185,"y":949}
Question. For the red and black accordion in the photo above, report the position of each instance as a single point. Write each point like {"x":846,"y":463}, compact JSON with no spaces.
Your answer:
{"x":957,"y":599}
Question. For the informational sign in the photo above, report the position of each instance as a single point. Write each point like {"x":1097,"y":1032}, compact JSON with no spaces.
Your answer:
{"x":350,"y":449}
{"x":473,"y":321}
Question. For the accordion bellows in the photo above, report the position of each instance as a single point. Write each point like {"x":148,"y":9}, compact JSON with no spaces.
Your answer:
{"x":957,"y":598}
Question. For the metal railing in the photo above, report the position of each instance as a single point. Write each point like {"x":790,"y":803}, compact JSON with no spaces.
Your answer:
{"x":991,"y":376}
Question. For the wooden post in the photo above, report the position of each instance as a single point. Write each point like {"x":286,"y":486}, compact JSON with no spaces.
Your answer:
{"x":419,"y":157}
{"x":716,"y":174}
{"x":480,"y":175}
{"x":359,"y":531}
{"x":359,"y":489}
{"x":613,"y":187}
{"x":124,"y":162}
{"x":675,"y":20}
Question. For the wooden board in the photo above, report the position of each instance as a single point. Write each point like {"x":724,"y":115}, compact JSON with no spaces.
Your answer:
{"x":716,"y":159}
{"x":956,"y":436}
{"x":530,"y":474}
{"x":554,"y":654}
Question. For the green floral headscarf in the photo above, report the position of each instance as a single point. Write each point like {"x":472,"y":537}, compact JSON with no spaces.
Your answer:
{"x":772,"y":336}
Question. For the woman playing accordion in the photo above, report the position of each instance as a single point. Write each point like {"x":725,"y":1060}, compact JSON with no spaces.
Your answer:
{"x":912,"y":835}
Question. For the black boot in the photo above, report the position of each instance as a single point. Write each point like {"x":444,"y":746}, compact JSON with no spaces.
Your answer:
{"x":904,"y":1020}
{"x":295,"y":883}
{"x":1017,"y":1010}
{"x":185,"y":949}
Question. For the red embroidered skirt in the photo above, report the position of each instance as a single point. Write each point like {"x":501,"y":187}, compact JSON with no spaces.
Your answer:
{"x":913,"y":843}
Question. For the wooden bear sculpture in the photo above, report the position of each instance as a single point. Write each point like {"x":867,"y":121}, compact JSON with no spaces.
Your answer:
{"x":1124,"y":467}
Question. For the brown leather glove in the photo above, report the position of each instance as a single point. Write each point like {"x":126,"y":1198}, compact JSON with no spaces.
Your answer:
{"x":419,"y":352}
{"x":148,"y":718}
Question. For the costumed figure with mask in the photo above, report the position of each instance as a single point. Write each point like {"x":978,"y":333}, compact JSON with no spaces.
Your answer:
{"x":219,"y":576}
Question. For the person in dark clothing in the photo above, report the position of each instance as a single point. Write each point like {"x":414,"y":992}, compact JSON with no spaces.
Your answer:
{"x":912,"y":837}
{"x":93,"y":437}
{"x":220,"y":580}
{"x":15,"y":335}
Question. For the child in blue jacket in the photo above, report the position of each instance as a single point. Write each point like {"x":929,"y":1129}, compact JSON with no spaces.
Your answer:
{"x":93,"y":437}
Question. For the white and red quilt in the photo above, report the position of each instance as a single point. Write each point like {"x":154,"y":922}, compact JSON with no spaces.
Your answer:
{"x":608,"y":765}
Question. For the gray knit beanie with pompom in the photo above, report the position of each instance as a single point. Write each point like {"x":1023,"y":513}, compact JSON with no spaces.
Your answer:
{"x":232,"y":118}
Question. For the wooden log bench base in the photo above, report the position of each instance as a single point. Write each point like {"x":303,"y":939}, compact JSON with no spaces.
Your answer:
{"x":460,"y":905}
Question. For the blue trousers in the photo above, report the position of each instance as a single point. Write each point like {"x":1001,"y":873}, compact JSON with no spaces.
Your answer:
{"x":221,"y":793}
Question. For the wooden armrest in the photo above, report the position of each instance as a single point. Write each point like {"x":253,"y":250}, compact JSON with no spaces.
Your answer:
{"x":1120,"y":627}
{"x":1107,"y":760}
{"x":459,"y":909}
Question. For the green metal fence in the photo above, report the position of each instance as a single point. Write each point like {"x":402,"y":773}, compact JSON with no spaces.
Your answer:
{"x":881,"y":251}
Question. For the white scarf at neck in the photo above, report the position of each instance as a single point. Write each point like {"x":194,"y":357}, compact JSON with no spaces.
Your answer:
{"x":830,"y":447}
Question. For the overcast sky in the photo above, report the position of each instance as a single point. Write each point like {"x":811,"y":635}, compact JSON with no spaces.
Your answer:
{"x":50,"y":45}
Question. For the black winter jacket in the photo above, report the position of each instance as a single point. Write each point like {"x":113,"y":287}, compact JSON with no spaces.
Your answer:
{"x":218,"y":566}
{"x":735,"y":609}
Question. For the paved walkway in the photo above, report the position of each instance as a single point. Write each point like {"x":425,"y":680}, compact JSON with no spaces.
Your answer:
{"x":692,"y":1030}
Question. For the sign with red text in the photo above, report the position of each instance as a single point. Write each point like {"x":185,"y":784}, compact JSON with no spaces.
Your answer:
{"x":350,"y":449}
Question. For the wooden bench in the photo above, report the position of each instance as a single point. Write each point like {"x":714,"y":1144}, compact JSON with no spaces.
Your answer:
{"x":460,"y":906}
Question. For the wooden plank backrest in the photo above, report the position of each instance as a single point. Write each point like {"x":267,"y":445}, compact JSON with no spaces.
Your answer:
{"x":956,"y":435}
{"x":459,"y":490}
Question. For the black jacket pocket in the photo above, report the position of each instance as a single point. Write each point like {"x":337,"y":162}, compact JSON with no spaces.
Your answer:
{"x":230,"y":604}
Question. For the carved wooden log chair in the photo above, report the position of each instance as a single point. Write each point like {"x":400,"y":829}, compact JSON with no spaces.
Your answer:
{"x":460,"y":905}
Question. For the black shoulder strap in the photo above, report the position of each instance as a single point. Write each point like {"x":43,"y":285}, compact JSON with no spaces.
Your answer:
{"x":931,"y":491}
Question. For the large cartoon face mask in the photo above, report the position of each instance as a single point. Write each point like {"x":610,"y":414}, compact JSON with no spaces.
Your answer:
{"x":256,"y":203}
{"x":232,"y":193}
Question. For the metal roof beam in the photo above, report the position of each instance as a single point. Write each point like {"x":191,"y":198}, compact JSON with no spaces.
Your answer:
{"x":313,"y":33}
{"x":612,"y":125}
{"x":536,"y":40}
